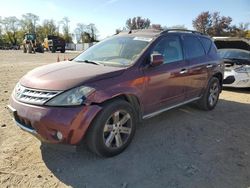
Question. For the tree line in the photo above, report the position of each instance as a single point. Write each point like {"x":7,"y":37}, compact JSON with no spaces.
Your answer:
{"x":210,"y":23}
{"x":213,"y":24}
{"x":12,"y":29}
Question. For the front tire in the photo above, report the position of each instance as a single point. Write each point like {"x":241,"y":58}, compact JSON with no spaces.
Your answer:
{"x":113,"y":129}
{"x":211,"y":95}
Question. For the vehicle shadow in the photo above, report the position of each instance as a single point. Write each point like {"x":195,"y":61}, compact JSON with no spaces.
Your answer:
{"x":184,"y":147}
{"x":238,"y":90}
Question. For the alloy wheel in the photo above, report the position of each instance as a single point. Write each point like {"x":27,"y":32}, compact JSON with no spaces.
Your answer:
{"x":213,"y":94}
{"x":117,"y":129}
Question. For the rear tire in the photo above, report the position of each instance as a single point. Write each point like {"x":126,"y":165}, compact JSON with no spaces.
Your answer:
{"x":53,"y":49}
{"x":112,"y":130}
{"x":211,"y":95}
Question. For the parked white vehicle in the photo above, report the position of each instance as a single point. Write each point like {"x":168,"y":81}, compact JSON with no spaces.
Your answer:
{"x":236,"y":55}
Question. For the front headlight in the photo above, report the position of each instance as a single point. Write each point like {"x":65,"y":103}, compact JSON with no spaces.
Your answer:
{"x":73,"y":97}
{"x":243,"y":69}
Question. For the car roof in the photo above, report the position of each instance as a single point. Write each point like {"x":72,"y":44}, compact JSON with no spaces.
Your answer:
{"x":141,"y":32}
{"x":155,"y":32}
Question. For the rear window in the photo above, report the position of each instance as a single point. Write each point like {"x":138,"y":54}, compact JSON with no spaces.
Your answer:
{"x":193,"y":47}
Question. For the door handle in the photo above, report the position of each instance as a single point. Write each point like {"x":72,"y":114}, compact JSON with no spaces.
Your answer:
{"x":183,"y":71}
{"x":209,"y":66}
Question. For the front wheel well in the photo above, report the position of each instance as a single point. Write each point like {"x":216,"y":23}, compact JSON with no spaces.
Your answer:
{"x":132,"y":99}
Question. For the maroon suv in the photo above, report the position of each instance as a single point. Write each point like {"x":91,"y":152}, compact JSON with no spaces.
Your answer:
{"x":101,"y":94}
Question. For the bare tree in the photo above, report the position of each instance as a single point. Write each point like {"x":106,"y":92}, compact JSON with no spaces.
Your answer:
{"x":220,"y":25}
{"x":203,"y":22}
{"x":80,"y":33}
{"x":29,"y":22}
{"x":137,"y":23}
{"x":48,"y":27}
{"x":66,"y":33}
{"x":86,"y":33}
{"x":11,"y":26}
{"x":92,"y":31}
{"x":213,"y":24}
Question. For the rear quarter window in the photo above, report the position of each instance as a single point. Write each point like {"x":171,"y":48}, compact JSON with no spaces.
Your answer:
{"x":208,"y":45}
{"x":213,"y":49}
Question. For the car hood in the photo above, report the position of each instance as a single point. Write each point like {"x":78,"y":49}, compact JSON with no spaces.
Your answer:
{"x":232,"y":42}
{"x":67,"y":74}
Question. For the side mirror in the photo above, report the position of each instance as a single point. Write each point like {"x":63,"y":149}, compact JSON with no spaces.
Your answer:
{"x":156,"y":60}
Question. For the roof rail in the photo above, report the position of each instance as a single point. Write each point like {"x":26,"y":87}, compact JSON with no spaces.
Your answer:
{"x":184,"y":30}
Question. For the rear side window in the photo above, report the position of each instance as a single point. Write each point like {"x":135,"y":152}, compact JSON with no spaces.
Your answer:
{"x":193,"y":47}
{"x":213,"y":49}
{"x":206,"y":43}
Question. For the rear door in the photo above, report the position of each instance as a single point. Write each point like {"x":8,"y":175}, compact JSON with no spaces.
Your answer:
{"x":166,"y":83}
{"x":196,"y":58}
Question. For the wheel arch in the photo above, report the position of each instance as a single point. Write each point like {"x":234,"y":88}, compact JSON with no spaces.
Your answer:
{"x":130,"y":98}
{"x":220,"y":77}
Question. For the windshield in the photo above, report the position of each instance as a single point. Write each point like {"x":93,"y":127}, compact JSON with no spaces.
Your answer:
{"x":115,"y":51}
{"x":234,"y":54}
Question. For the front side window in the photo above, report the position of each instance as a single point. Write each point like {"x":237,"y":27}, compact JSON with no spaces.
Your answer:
{"x":170,"y":48}
{"x":193,"y":47}
{"x":115,"y":51}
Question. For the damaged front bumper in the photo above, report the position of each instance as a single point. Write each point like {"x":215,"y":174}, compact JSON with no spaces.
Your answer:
{"x":45,"y":123}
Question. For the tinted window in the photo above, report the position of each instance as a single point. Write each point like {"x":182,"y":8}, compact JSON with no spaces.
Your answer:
{"x":193,"y":47}
{"x":206,"y":43}
{"x":170,"y":48}
{"x":213,"y":49}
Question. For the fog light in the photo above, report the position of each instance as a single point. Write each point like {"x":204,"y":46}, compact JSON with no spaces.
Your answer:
{"x":59,"y":135}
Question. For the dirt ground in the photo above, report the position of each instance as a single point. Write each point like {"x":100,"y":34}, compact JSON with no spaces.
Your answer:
{"x":181,"y":148}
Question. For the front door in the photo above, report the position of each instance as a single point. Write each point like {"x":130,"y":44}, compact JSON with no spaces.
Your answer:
{"x":166,"y":83}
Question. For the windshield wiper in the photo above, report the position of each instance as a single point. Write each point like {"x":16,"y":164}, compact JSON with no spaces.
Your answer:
{"x":87,"y":61}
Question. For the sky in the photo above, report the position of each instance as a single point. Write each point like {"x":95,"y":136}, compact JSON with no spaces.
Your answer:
{"x":108,"y":15}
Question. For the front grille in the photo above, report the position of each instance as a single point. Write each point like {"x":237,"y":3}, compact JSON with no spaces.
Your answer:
{"x":33,"y":96}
